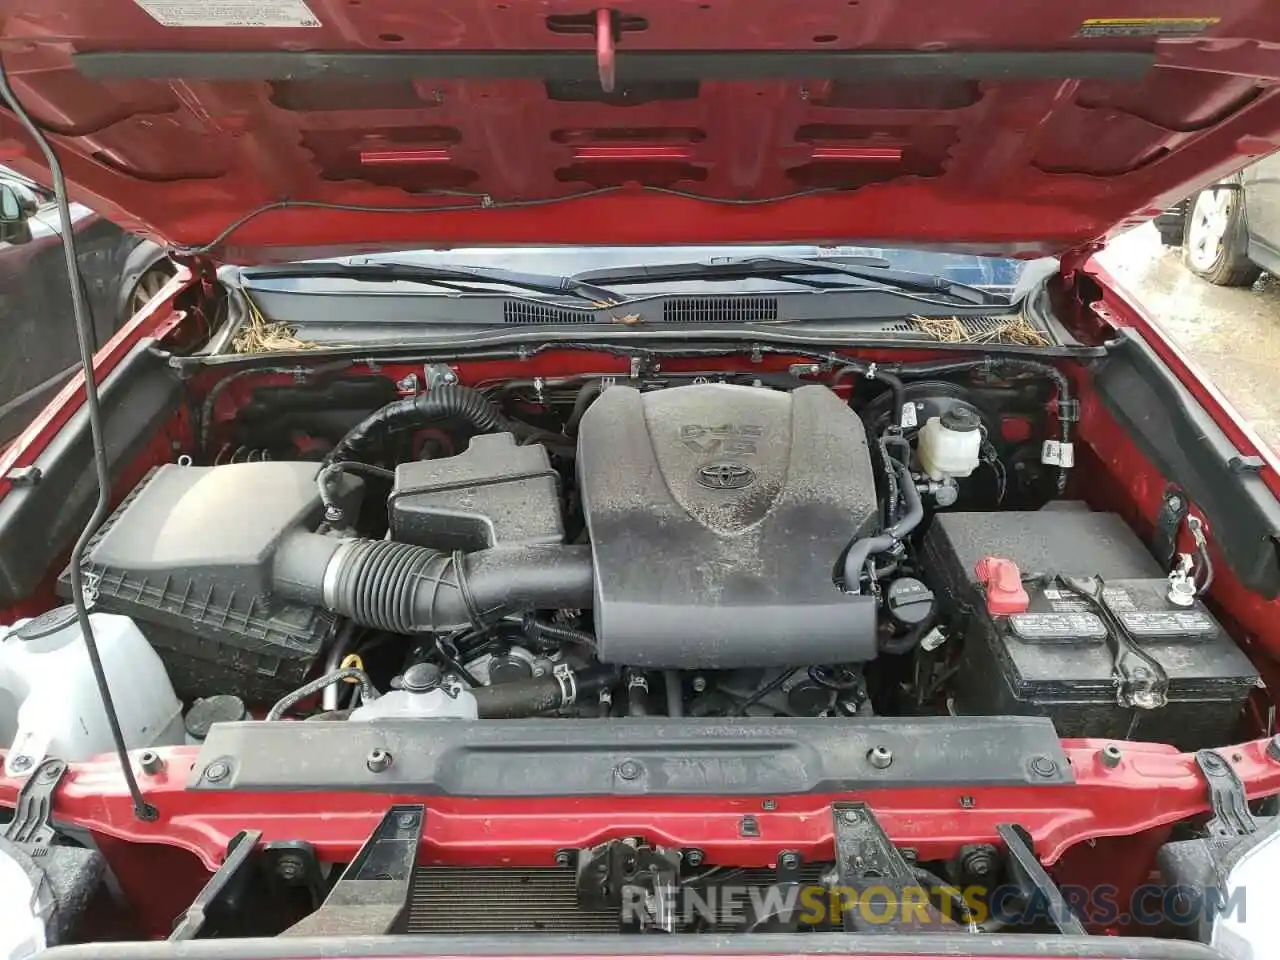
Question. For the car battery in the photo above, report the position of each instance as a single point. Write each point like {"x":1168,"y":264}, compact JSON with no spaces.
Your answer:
{"x":1053,"y":654}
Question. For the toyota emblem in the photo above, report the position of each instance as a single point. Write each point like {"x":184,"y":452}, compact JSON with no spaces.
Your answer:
{"x":726,"y":476}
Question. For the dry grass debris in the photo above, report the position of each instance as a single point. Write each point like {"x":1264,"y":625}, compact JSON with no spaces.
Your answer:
{"x":260,"y":335}
{"x":1014,"y":330}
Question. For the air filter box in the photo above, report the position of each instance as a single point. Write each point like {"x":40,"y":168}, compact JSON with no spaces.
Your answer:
{"x":188,"y":556}
{"x":1054,"y":659}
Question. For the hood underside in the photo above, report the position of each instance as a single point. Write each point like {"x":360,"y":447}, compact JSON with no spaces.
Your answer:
{"x":991,"y":126}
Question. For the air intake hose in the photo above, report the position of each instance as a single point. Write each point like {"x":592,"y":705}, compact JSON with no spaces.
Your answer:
{"x":437,"y":403}
{"x":403,"y":588}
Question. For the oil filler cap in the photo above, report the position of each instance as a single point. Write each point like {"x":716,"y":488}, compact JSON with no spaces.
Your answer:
{"x":1003,"y":580}
{"x":909,"y":602}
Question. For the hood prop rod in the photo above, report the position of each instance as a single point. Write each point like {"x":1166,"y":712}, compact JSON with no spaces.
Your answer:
{"x":85,"y":337}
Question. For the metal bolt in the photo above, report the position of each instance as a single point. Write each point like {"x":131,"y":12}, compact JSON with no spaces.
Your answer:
{"x":699,"y":683}
{"x":1273,"y":748}
{"x":218,"y":770}
{"x":1110,"y":756}
{"x":150,"y":762}
{"x":1212,"y":762}
{"x":1174,"y":504}
{"x":850,"y":816}
{"x":788,"y":860}
{"x":378,"y":760}
{"x":564,"y":858}
{"x":407,"y":820}
{"x":978,"y":860}
{"x":289,"y":867}
{"x":967,"y":802}
{"x":768,"y":804}
{"x":880,"y":757}
{"x":1044,"y":767}
{"x":628,"y":770}
{"x":694,"y":857}
{"x":20,"y":763}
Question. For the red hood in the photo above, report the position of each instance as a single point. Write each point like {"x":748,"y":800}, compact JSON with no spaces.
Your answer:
{"x":989,"y":124}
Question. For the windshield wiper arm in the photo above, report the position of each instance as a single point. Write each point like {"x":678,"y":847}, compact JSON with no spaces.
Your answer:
{"x":389,"y":271}
{"x":863,"y":268}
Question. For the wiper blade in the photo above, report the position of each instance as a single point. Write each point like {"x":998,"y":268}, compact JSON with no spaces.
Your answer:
{"x":446,"y":276}
{"x":873,"y":269}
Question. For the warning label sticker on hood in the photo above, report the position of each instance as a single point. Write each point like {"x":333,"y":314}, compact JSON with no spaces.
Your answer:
{"x":1146,"y":26}
{"x":230,"y":13}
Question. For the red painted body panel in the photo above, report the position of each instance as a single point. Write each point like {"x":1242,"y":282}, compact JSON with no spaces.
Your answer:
{"x":1015,"y":162}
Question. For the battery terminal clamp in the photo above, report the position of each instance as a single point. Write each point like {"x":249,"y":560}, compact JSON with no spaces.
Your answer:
{"x":1003,"y":582}
{"x":1141,"y":682}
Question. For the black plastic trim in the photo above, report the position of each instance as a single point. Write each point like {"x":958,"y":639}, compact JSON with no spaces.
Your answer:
{"x":632,"y":757}
{"x":38,"y":523}
{"x":636,"y":65}
{"x":1177,"y":434}
{"x":594,"y":945}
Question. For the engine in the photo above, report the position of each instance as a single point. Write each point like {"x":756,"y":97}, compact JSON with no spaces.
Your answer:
{"x":716,"y":514}
{"x":683,"y":548}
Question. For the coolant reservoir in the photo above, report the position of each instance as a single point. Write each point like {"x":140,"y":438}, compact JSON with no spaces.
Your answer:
{"x":421,"y":695}
{"x":950,"y":445}
{"x":49,"y":703}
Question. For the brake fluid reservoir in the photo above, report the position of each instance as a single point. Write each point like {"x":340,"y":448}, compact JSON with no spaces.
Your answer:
{"x":950,"y":445}
{"x":49,"y":703}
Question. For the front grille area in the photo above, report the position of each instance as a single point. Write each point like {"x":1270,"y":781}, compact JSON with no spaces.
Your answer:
{"x":479,"y":900}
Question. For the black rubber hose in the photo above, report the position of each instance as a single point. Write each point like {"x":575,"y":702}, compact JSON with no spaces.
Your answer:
{"x":403,"y":588}
{"x":908,"y":641}
{"x":637,"y":694}
{"x":437,"y":403}
{"x":367,"y":690}
{"x":877,"y":372}
{"x":560,"y":632}
{"x":675,"y":693}
{"x":329,"y":478}
{"x":860,"y":550}
{"x":890,"y":483}
{"x":538,"y":695}
{"x":586,"y":394}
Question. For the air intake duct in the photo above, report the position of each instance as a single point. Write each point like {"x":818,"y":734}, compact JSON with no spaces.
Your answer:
{"x":403,"y":588}
{"x":439,"y":403}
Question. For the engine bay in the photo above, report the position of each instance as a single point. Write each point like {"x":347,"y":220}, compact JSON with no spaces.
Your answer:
{"x":725,"y":594}
{"x":827,"y":540}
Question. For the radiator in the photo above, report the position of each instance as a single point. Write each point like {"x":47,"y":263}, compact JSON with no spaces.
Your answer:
{"x":479,"y":900}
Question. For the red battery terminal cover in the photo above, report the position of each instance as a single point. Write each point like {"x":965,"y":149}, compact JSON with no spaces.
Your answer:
{"x":1003,"y":580}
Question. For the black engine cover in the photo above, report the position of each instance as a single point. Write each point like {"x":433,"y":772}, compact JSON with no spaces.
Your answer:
{"x":717,"y":515}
